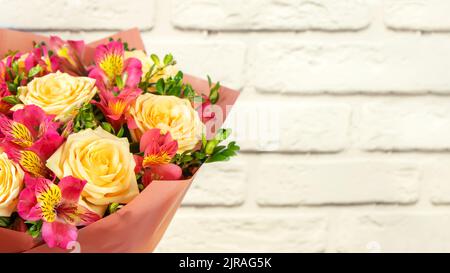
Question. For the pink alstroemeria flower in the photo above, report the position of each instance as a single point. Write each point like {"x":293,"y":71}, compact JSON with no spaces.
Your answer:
{"x":158,"y":149}
{"x":40,"y":56}
{"x":115,"y":106}
{"x":113,"y":70}
{"x":57,"y":206}
{"x":70,"y":54}
{"x":30,"y":138}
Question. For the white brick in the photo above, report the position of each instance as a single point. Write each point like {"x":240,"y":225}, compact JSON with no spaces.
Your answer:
{"x":423,"y":231}
{"x":77,"y":14}
{"x":408,"y":125}
{"x":222,"y":60}
{"x":219,"y":184}
{"x":271,"y":14}
{"x":437,"y":179}
{"x":290,"y":126}
{"x":349,"y":181}
{"x":425,"y":15}
{"x":212,"y":232}
{"x":409,"y":65}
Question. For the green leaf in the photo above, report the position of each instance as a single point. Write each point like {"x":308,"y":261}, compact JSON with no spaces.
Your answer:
{"x":218,"y":149}
{"x":114,"y":207}
{"x":108,"y":127}
{"x":204,"y":141}
{"x":209,"y":81}
{"x":168,"y":59}
{"x":228,"y":153}
{"x":155,"y":59}
{"x":217,"y":158}
{"x":214,"y":93}
{"x":187,"y":158}
{"x":35,"y":229}
{"x":199,"y":155}
{"x":34,"y":71}
{"x":222,"y":134}
{"x":160,"y":87}
{"x":15,"y":67}
{"x":121,"y":132}
{"x":11,"y":100}
{"x":5,"y":222}
{"x":120,"y":82}
{"x":12,"y":87}
{"x":210,"y":146}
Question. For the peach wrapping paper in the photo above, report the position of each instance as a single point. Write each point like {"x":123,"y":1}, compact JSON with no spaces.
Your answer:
{"x":138,"y":226}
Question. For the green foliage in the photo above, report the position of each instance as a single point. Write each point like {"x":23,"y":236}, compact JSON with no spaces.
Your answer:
{"x":148,"y":80}
{"x":5,"y":222}
{"x":108,"y":127}
{"x":86,"y":118}
{"x":214,"y":91}
{"x":210,"y":152}
{"x":13,"y":100}
{"x":34,"y":228}
{"x":114,"y":207}
{"x":34,"y":71}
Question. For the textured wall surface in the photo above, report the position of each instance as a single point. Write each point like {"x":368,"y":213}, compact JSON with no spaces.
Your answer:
{"x":344,"y":117}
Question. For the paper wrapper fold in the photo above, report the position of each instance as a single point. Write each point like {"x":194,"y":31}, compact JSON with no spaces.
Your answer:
{"x":138,"y":226}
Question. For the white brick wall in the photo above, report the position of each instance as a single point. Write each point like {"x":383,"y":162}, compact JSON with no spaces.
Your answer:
{"x":344,"y":117}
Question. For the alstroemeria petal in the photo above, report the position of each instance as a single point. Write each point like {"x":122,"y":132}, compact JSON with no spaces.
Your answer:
{"x":71,"y":188}
{"x":110,"y":59}
{"x":166,"y":172}
{"x":27,"y":208}
{"x":31,"y":162}
{"x":58,"y":234}
{"x":133,"y":70}
{"x":16,"y":132}
{"x":47,"y":144}
{"x":151,"y":136}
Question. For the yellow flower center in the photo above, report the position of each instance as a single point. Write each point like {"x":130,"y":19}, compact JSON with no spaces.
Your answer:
{"x":118,"y":107}
{"x":48,"y":200}
{"x":112,"y":65}
{"x":64,"y":53}
{"x":156,"y":159}
{"x":22,"y":135}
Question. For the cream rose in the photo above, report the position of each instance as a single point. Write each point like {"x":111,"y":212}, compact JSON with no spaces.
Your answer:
{"x":11,"y":183}
{"x":104,"y":161}
{"x":58,"y":94}
{"x":170,"y":114}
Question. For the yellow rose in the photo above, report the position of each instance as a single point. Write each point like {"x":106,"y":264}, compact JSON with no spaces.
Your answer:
{"x":141,"y":56}
{"x":58,"y":94}
{"x":170,"y":114}
{"x":104,"y":161}
{"x":11,"y":183}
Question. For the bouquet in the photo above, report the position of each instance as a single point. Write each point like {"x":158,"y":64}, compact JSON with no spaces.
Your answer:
{"x":99,"y":142}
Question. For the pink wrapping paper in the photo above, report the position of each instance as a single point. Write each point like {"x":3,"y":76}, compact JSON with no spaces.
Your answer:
{"x":138,"y":226}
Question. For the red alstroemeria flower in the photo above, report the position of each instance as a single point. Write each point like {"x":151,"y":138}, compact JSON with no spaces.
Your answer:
{"x":4,"y":92}
{"x":113,"y":70}
{"x":158,"y":151}
{"x":70,"y":54}
{"x":57,"y":206}
{"x":30,"y":138}
{"x":115,"y":105}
